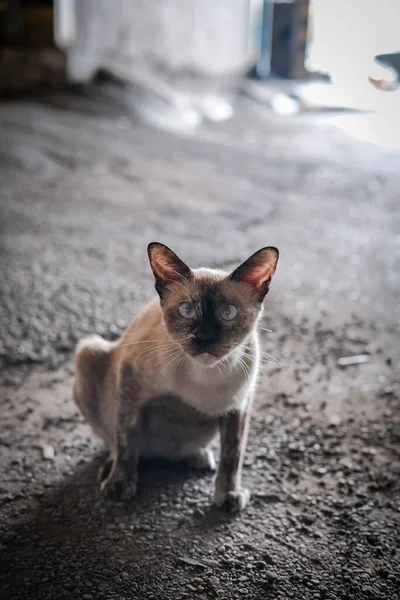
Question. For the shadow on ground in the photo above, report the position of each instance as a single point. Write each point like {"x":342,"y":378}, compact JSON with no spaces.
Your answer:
{"x":72,"y":521}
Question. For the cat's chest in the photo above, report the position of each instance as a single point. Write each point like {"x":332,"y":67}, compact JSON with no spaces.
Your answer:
{"x":212,"y":398}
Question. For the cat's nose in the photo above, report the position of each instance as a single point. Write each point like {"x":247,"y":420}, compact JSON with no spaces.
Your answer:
{"x":205,"y":337}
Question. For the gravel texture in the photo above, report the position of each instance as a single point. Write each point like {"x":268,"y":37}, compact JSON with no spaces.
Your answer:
{"x":84,"y":188}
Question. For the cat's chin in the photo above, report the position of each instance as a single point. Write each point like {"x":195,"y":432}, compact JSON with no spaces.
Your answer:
{"x":206,"y":359}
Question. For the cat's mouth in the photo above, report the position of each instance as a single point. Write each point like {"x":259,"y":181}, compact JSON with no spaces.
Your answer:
{"x":206,"y":359}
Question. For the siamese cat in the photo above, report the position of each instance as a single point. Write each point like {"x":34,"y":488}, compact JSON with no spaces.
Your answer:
{"x":185,"y":369}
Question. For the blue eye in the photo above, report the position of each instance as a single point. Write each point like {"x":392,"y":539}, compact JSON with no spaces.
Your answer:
{"x":229,"y":312}
{"x":187,"y":309}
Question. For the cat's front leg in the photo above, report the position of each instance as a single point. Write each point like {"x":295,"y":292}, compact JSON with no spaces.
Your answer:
{"x":118,"y":476}
{"x":228,"y":490}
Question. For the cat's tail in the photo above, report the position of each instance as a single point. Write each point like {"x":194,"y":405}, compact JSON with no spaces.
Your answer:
{"x":92,"y":358}
{"x":92,"y":344}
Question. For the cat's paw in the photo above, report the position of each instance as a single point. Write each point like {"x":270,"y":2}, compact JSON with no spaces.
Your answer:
{"x":232,"y":501}
{"x":202,"y":461}
{"x":114,"y":484}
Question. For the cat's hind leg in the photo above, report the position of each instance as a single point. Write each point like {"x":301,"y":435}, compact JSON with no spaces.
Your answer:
{"x":119,"y":476}
{"x":110,"y":404}
{"x":91,"y":394}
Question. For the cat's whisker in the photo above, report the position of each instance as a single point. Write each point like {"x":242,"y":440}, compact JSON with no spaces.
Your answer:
{"x":266,"y":378}
{"x":156,"y":345}
{"x":176,"y":348}
{"x":151,"y":340}
{"x":161,"y":343}
{"x":246,"y":367}
{"x":275,"y":360}
{"x":160,"y":362}
{"x":154,"y":349}
{"x":261,"y":361}
{"x":240,"y":362}
{"x":159,"y":346}
{"x":138,"y":342}
{"x":154,"y":352}
{"x":175,"y":355}
{"x":181,"y":277}
{"x":254,"y":357}
{"x":182,"y":361}
{"x":218,"y":367}
{"x":265,"y":360}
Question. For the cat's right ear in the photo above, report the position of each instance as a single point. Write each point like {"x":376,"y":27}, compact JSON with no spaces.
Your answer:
{"x":166,"y":266}
{"x":257,"y":271}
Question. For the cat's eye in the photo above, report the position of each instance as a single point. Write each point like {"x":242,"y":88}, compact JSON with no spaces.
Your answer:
{"x":229,"y":312}
{"x":187,"y":309}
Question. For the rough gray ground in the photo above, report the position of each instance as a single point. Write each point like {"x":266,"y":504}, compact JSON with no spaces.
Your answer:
{"x":84,"y":188}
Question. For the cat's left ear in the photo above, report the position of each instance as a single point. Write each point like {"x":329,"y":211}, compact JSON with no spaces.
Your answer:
{"x":166,"y":266}
{"x":257,"y":271}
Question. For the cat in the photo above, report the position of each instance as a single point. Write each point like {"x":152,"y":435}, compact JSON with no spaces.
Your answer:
{"x":185,"y":369}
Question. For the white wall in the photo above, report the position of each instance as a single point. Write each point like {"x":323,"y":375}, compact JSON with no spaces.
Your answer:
{"x":163,"y":37}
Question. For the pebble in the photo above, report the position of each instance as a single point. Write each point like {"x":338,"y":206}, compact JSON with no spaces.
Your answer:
{"x":308,"y":518}
{"x":368,"y":451}
{"x":48,"y":452}
{"x":358,"y":359}
{"x":321,"y":471}
{"x":335,"y":420}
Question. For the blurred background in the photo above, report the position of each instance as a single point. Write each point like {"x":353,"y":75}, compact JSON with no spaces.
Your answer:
{"x":217,"y":127}
{"x":185,"y":61}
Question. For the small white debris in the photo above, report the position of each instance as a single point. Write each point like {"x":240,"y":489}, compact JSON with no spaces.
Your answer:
{"x":358,"y":359}
{"x":48,"y":452}
{"x":334,"y":420}
{"x":214,"y":108}
{"x":283,"y":104}
{"x":186,"y":560}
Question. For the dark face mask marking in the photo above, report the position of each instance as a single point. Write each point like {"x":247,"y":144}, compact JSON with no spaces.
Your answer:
{"x":207,"y":330}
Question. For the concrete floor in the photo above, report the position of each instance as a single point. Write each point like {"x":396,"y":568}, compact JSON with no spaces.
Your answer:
{"x":84,"y":188}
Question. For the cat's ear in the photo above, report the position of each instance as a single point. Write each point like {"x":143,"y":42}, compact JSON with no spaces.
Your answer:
{"x":257,"y":271}
{"x":166,"y":266}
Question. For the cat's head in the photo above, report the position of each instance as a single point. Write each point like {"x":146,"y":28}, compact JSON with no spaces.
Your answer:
{"x":207,"y":311}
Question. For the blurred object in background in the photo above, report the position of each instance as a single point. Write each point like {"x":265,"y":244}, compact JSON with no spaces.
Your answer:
{"x":280,"y":30}
{"x":182,"y":59}
{"x":173,"y":48}
{"x":348,"y":45}
{"x":349,"y":36}
{"x":170,"y":38}
{"x":29,"y":59}
{"x":290,"y":39}
{"x":178,"y":63}
{"x":333,"y":56}
{"x":387,"y":77}
{"x":260,"y":38}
